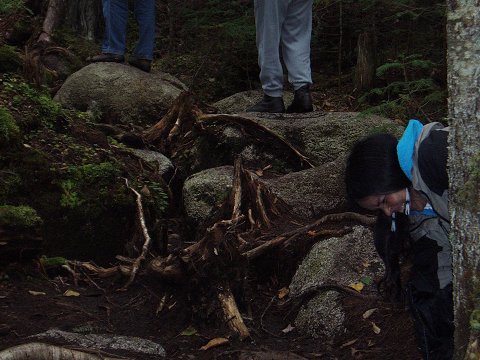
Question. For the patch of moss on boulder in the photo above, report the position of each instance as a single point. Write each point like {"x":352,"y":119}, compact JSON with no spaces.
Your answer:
{"x":10,"y":60}
{"x":19,"y":217}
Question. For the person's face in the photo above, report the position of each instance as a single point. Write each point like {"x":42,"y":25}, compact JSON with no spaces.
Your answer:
{"x":388,"y":203}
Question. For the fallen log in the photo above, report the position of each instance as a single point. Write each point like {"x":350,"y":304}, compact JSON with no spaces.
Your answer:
{"x":41,"y":351}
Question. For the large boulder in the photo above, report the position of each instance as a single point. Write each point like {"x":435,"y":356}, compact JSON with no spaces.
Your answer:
{"x":324,"y":136}
{"x":321,"y":137}
{"x":309,"y":192}
{"x":123,"y":92}
{"x":343,"y":261}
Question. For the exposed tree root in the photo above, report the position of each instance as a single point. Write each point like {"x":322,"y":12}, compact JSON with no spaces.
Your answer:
{"x":261,"y":132}
{"x":179,"y":118}
{"x":41,"y":351}
{"x":254,"y":199}
{"x":231,"y":313}
{"x":292,"y":235}
{"x":146,"y":244}
{"x":171,"y":133}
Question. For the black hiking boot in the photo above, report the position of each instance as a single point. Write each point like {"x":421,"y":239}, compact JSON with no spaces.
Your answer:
{"x":142,"y":64}
{"x":302,"y":101}
{"x":106,"y":57}
{"x":268,"y":104}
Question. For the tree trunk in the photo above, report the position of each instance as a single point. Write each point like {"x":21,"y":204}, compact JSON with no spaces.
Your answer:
{"x":85,"y":17}
{"x":463,"y":32}
{"x":365,"y":68}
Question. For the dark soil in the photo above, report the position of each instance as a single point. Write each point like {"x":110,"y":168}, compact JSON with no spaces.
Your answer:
{"x":101,"y":308}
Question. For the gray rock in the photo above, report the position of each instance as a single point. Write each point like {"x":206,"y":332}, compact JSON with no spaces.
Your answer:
{"x":239,"y":102}
{"x":205,"y":190}
{"x":160,"y":161}
{"x":313,"y":191}
{"x":341,"y":261}
{"x":323,"y":137}
{"x":105,"y":342}
{"x":122,"y":91}
{"x":322,"y":316}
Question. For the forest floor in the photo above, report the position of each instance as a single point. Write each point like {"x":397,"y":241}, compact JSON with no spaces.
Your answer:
{"x":32,"y":303}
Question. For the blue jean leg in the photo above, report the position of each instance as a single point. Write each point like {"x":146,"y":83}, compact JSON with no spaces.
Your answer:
{"x":145,"y":16}
{"x":115,"y":13}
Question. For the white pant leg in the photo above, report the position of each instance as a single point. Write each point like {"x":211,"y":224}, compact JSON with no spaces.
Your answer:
{"x":269,"y":18}
{"x":295,"y":41}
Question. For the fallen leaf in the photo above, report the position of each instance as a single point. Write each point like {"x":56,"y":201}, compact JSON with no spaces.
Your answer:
{"x":375,"y":328}
{"x":288,"y":329}
{"x":189,"y":331}
{"x":161,"y":304}
{"x":357,"y":286}
{"x":368,"y":313}
{"x":170,"y":307}
{"x":259,"y":172}
{"x":214,"y":342}
{"x":71,"y":293}
{"x":36,"y":293}
{"x":283,"y":292}
{"x":311,"y":233}
{"x":351,"y":342}
{"x":366,"y":264}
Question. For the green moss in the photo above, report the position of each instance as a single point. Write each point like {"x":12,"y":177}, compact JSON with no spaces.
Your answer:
{"x":9,"y":131}
{"x":10,"y":181}
{"x":39,"y":106}
{"x":160,"y":199}
{"x":9,"y":6}
{"x":19,"y":216}
{"x":469,"y":194}
{"x":10,"y":60}
{"x":48,"y":108}
{"x":90,"y":181}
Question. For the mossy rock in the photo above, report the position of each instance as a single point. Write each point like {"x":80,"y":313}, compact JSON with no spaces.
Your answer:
{"x":10,"y":60}
{"x":9,"y":131}
{"x":19,"y":217}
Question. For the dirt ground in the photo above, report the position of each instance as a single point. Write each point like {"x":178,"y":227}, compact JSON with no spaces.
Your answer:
{"x":31,"y":303}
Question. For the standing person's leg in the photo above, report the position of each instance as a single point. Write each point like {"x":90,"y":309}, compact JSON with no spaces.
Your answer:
{"x":269,"y":17}
{"x":296,"y":38}
{"x":116,"y":17}
{"x":145,"y":16}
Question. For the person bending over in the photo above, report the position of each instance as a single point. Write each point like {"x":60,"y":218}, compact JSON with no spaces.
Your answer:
{"x":406,"y":181}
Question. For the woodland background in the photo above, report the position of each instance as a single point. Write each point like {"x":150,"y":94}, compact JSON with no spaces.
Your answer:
{"x":382,"y":56}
